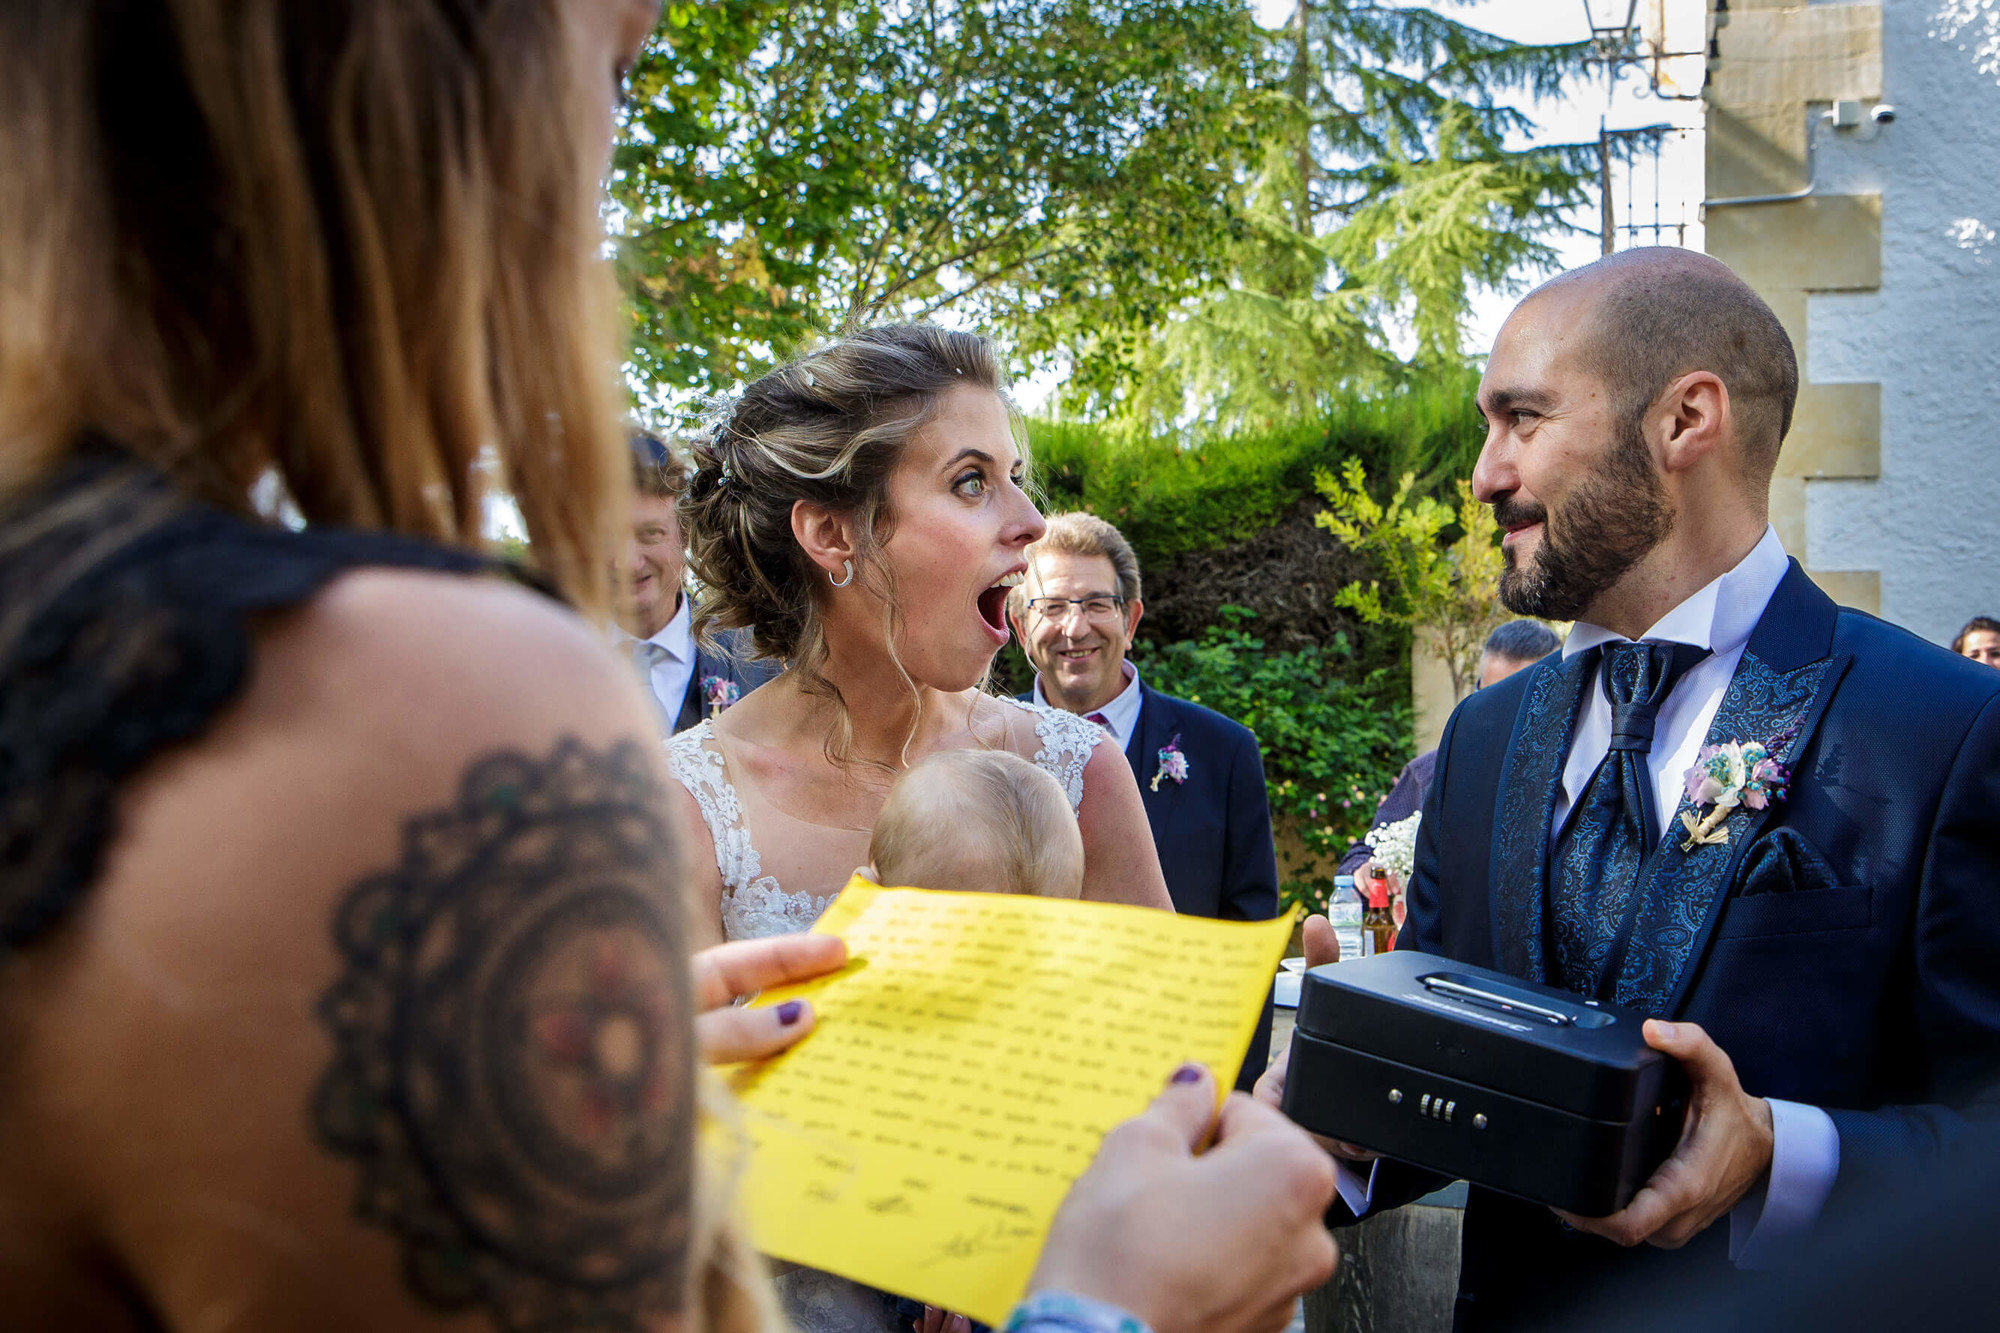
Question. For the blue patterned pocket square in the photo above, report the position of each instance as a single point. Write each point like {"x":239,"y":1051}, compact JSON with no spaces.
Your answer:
{"x":1783,"y":862}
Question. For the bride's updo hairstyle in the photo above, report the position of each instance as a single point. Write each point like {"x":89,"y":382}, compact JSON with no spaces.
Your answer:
{"x":828,"y":428}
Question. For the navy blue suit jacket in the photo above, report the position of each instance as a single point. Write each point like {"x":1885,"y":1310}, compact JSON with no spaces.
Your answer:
{"x":733,"y":664}
{"x":1213,"y":830}
{"x":1843,"y":947}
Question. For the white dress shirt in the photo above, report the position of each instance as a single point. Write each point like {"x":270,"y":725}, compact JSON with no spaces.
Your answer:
{"x":1719,"y":618}
{"x":1805,"y":1147}
{"x":1121,"y":715}
{"x":672,"y":674}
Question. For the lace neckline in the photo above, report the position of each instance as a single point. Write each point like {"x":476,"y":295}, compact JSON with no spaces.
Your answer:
{"x":754,"y":904}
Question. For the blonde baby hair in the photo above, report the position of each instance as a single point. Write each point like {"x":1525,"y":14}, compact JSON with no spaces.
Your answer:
{"x":985,"y":820}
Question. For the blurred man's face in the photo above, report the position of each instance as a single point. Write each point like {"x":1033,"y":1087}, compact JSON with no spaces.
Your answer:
{"x":1982,"y":645}
{"x":1081,"y":656}
{"x":652,"y":566}
{"x":1493,"y":669}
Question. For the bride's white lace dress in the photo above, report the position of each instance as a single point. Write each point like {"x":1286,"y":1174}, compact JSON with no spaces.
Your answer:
{"x":755,"y":905}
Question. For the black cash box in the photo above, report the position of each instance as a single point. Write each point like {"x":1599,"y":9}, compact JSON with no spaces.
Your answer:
{"x":1516,"y":1086}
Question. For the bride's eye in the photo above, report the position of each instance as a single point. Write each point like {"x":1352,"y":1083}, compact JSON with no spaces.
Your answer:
{"x":972,"y":484}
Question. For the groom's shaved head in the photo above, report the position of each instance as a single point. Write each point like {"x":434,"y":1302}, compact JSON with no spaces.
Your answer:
{"x":1656,"y":313}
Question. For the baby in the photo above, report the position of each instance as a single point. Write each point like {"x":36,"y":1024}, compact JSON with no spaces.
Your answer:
{"x":981,"y":820}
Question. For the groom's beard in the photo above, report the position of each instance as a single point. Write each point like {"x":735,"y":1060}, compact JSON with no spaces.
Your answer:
{"x":1607,"y":524}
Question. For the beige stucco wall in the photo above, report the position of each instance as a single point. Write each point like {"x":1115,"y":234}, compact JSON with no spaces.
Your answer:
{"x":1777,"y":67}
{"x":1775,"y":70}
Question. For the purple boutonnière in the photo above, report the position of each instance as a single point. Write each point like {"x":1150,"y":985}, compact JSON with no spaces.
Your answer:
{"x":1173,"y":764}
{"x":718,"y":692}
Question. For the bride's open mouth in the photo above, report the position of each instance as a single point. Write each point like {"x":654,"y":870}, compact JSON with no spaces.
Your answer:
{"x":993,"y":602}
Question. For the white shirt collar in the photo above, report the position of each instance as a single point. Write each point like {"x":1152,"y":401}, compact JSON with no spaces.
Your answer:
{"x":1719,"y":616}
{"x":1121,"y":714}
{"x":676,"y":636}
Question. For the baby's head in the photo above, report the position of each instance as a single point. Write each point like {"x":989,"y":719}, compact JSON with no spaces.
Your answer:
{"x":982,"y":820}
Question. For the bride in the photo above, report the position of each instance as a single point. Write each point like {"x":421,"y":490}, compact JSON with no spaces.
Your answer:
{"x":861,"y":511}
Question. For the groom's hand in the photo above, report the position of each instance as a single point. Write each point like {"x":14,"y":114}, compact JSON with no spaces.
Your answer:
{"x":1725,"y":1149}
{"x":1322,"y":946}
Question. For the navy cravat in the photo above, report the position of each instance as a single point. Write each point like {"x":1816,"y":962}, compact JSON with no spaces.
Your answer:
{"x":1594,"y":888}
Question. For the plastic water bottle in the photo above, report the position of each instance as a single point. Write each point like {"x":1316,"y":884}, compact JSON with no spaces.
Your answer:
{"x":1344,"y":911}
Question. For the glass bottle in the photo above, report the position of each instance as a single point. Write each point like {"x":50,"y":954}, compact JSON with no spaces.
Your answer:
{"x":1378,"y":927}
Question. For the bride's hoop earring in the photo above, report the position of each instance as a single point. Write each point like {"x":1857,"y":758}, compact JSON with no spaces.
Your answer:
{"x":846,"y":574}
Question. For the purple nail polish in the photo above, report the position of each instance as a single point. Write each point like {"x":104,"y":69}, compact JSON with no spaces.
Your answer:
{"x":791,"y":1011}
{"x":1188,"y":1073}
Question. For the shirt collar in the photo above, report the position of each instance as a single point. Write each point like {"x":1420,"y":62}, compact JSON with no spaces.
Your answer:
{"x":1122,"y":712}
{"x":1719,"y":616}
{"x":676,"y":636}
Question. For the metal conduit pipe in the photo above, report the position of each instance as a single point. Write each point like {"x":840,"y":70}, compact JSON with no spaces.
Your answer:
{"x":1812,"y":140}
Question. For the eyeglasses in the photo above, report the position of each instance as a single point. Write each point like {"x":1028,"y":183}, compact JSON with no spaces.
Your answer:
{"x":1094,"y":608}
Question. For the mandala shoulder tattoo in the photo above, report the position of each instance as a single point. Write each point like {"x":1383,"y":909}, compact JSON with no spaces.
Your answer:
{"x":514,"y":1069}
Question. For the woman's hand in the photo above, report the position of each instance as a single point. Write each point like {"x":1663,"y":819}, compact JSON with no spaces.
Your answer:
{"x":724,"y":972}
{"x":1219,"y":1243}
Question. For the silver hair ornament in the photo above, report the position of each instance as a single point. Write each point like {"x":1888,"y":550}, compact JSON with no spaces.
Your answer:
{"x":718,"y":415}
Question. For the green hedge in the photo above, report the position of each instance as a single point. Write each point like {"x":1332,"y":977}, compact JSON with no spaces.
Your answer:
{"x":1170,"y":498}
{"x":1333,"y":718}
{"x":1332,"y":746}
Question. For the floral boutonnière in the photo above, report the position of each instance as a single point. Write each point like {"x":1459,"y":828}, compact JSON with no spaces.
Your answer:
{"x":1724,"y":777}
{"x":718,"y":692}
{"x":1173,"y":764}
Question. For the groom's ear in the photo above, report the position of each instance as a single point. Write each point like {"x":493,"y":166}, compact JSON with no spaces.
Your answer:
{"x":1694,"y":420}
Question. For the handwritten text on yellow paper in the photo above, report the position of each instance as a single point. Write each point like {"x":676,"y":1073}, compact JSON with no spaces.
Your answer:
{"x":966,"y":1064}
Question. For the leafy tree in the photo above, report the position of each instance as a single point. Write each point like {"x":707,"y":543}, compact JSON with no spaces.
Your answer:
{"x":1386,"y":191}
{"x":1450,"y":590}
{"x":1036,"y":167}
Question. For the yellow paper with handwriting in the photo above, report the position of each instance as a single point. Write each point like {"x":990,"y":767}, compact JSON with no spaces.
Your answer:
{"x":965,"y":1066}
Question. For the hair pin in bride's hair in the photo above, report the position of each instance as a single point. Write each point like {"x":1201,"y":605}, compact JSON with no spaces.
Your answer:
{"x":718,"y":415}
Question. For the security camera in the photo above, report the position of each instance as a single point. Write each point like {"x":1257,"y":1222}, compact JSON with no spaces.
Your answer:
{"x":1883,"y":113}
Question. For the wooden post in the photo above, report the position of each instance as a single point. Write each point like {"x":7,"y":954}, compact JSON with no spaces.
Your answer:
{"x":1398,"y":1274}
{"x":1607,"y":229}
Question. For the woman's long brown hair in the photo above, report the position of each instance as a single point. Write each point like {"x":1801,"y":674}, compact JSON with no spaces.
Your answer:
{"x":350,"y":244}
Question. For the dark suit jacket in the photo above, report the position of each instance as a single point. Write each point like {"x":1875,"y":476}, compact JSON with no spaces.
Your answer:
{"x":1212,"y":831}
{"x":1843,"y":947}
{"x":732,"y":664}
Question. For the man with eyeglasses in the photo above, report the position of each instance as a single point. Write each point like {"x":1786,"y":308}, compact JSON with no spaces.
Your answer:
{"x":1201,"y":776}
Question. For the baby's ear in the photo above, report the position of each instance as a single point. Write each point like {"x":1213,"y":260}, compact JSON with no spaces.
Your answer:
{"x":868,"y":873}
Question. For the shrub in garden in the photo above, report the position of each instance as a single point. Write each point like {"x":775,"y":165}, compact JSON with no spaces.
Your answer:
{"x":1332,"y":745}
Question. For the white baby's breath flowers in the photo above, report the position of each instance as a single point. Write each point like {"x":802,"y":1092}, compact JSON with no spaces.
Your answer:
{"x":1396,"y":844}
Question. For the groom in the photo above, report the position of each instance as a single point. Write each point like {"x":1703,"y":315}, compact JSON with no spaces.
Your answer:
{"x":1828,"y":965}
